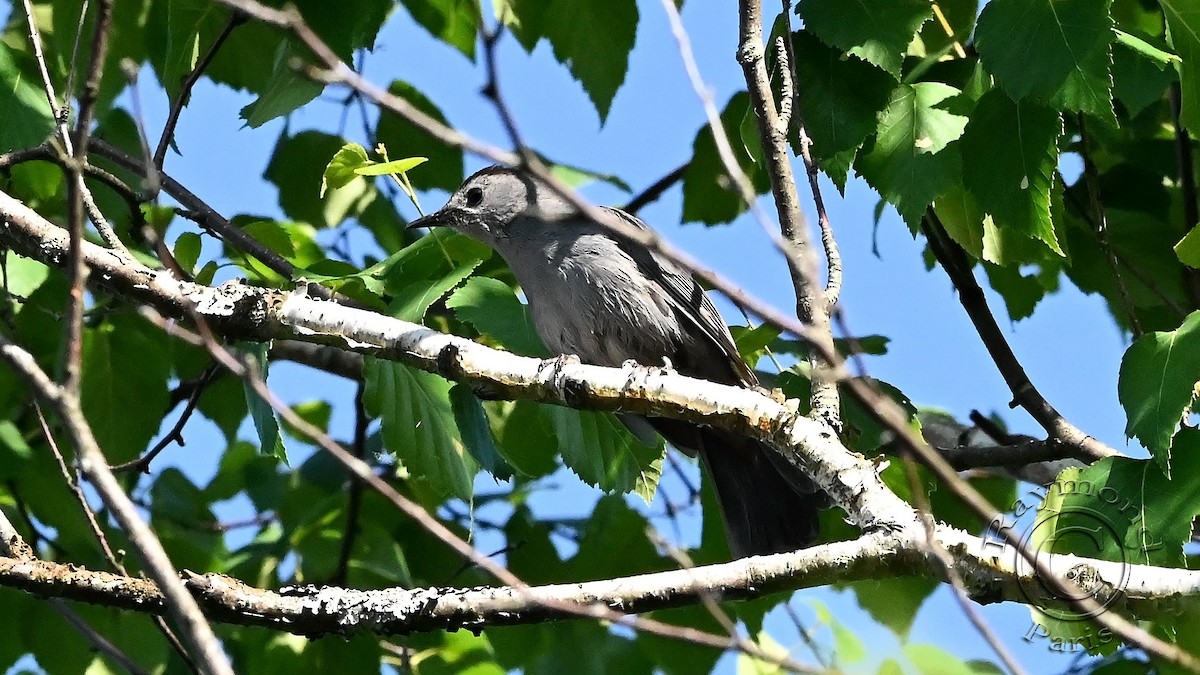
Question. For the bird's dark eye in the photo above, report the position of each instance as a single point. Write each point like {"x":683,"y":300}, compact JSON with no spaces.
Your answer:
{"x":474,"y":196}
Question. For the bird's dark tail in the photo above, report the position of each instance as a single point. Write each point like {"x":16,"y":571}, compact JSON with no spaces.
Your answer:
{"x":767,"y":506}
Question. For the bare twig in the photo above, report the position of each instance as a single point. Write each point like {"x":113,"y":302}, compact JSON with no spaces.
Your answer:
{"x":354,"y":490}
{"x":811,"y":307}
{"x":185,"y":91}
{"x":1092,"y":177}
{"x":833,"y":256}
{"x":656,"y":190}
{"x":1024,"y":393}
{"x":942,"y":556}
{"x":175,"y":435}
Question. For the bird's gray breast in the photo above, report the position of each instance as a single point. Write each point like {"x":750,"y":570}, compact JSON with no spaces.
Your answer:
{"x":590,"y":299}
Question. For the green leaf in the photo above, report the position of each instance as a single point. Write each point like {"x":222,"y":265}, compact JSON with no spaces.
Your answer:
{"x":752,"y":665}
{"x":1009,"y":156}
{"x":525,"y":18}
{"x":1188,"y":248}
{"x":709,"y":196}
{"x":289,"y":89}
{"x":910,"y":164}
{"x":1133,"y":513}
{"x":876,"y":32}
{"x":183,"y":521}
{"x":396,"y":166}
{"x":1183,"y":25}
{"x":124,"y":386}
{"x":455,"y":22}
{"x":846,"y":645}
{"x":593,"y":39}
{"x":296,"y":169}
{"x":23,"y":106}
{"x":1071,"y":40}
{"x":402,"y":138}
{"x":526,"y":436}
{"x":894,"y":602}
{"x":419,"y":426}
{"x":604,"y":454}
{"x":270,"y":441}
{"x":491,"y":307}
{"x":1159,"y":56}
{"x":753,"y":343}
{"x":577,"y":177}
{"x":476,"y":432}
{"x":187,"y":251}
{"x":1138,"y":80}
{"x":841,"y":102}
{"x":343,"y":167}
{"x":1157,"y":384}
{"x":931,"y":660}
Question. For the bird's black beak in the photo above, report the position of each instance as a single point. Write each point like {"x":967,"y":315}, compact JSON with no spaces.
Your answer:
{"x":435,"y":219}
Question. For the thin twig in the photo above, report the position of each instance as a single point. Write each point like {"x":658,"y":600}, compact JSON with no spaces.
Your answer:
{"x":72,"y":482}
{"x":185,"y":91}
{"x":833,"y":256}
{"x":656,"y":190}
{"x":970,"y":295}
{"x":957,"y":586}
{"x":1092,"y":177}
{"x":354,"y":490}
{"x":175,"y":435}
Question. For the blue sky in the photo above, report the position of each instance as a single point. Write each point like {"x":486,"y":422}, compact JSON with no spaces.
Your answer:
{"x":1070,"y":347}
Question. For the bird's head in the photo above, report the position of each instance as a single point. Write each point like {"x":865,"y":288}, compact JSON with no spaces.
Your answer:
{"x":489,"y":203}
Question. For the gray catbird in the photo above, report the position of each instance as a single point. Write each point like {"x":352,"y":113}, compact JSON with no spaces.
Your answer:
{"x":608,"y":302}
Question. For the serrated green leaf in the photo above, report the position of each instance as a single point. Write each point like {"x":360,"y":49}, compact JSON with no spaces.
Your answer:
{"x":1138,"y":81}
{"x":1153,"y":54}
{"x":270,"y":441}
{"x":419,"y":425}
{"x":1071,"y":39}
{"x":604,"y":454}
{"x":1009,"y":158}
{"x":1128,"y":508}
{"x":878,"y":33}
{"x":491,"y":307}
{"x":476,"y":432}
{"x":910,"y":164}
{"x":841,"y":102}
{"x":395,"y":166}
{"x":343,"y":167}
{"x":455,"y":22}
{"x":289,"y":89}
{"x":593,"y":39}
{"x":1156,"y":386}
{"x":1183,"y":25}
{"x":894,"y":602}
{"x":752,"y":343}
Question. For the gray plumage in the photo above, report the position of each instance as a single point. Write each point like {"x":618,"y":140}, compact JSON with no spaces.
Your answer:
{"x":608,"y":302}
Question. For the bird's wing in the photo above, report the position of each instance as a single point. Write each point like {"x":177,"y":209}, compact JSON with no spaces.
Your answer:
{"x":687,"y":297}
